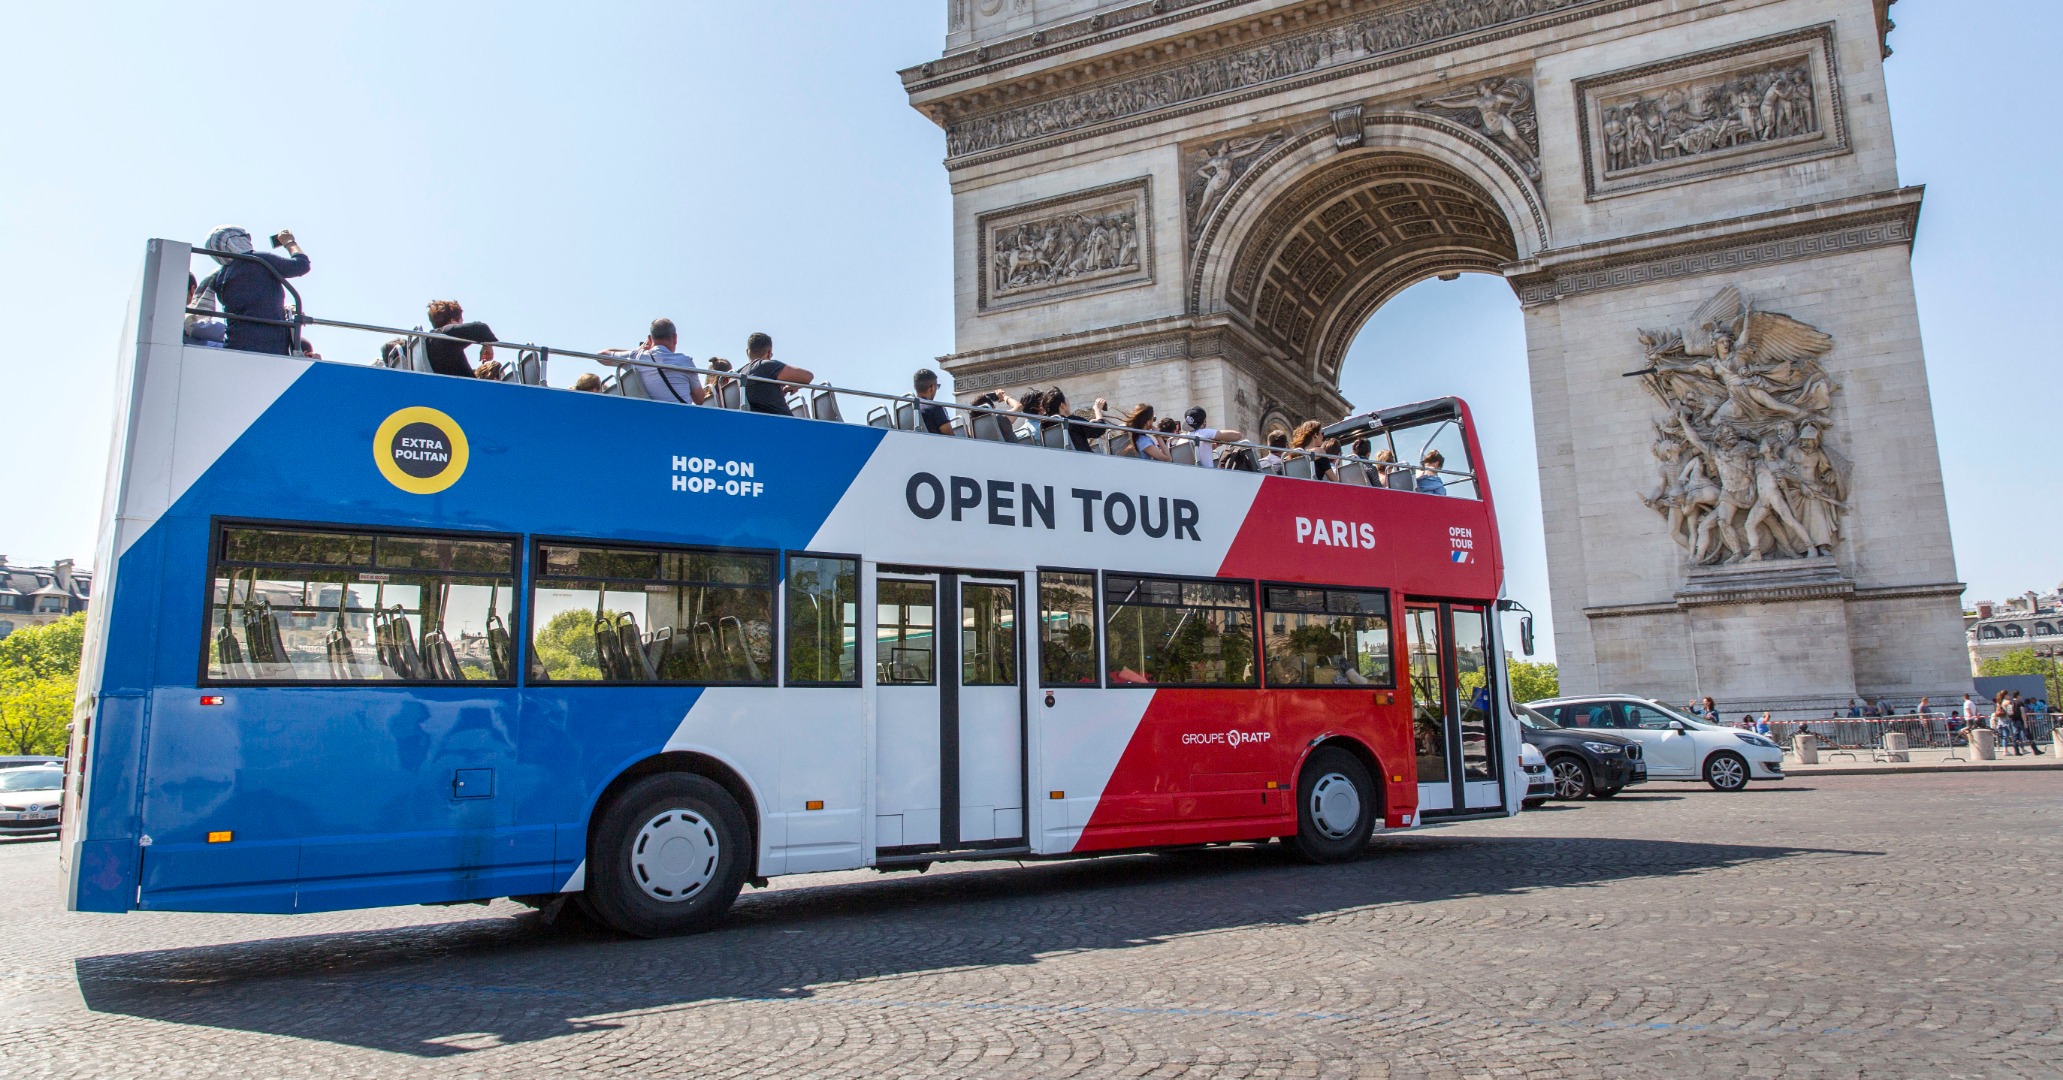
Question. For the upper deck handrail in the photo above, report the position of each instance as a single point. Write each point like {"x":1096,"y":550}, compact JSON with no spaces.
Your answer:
{"x":1436,"y":411}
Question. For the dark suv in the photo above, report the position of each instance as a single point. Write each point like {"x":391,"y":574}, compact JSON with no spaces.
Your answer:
{"x":1584,"y":762}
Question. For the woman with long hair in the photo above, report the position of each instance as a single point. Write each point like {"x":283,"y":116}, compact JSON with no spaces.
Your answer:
{"x":1140,"y":421}
{"x":1309,"y":437}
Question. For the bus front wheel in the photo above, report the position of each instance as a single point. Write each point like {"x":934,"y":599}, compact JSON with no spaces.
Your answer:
{"x":1336,"y":807}
{"x":670,"y":855}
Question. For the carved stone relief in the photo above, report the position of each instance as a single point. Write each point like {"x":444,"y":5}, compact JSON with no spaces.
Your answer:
{"x":1741,"y":107}
{"x":1501,"y":108}
{"x":1745,"y":470}
{"x":1214,"y":167}
{"x":1388,"y":31}
{"x":1054,"y":248}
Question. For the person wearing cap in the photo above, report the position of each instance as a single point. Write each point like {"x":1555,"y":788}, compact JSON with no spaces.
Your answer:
{"x":246,"y":289}
{"x":1207,"y":438}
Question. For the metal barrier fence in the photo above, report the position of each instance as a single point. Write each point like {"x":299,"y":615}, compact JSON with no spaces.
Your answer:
{"x":1921,"y":732}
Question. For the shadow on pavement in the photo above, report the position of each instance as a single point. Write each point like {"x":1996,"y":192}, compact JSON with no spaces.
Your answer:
{"x":449,"y":988}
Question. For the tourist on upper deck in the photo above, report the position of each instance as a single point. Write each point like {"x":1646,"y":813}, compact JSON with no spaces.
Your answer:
{"x":201,"y":330}
{"x":588,"y":383}
{"x":1309,"y":438}
{"x":930,"y":415}
{"x":1389,"y":474}
{"x":1207,"y":437}
{"x":308,"y":349}
{"x":1429,"y":479}
{"x":660,"y":384}
{"x":769,"y":397}
{"x":1081,"y":433}
{"x":248,"y":290}
{"x":1141,"y":421}
{"x":449,"y":357}
{"x":1278,"y":441}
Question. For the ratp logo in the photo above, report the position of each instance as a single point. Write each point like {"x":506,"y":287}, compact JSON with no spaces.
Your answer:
{"x":420,"y":450}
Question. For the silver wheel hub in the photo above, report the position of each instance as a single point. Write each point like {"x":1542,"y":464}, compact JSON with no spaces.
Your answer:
{"x":1568,"y":780}
{"x":675,"y":855}
{"x":1728,"y":772}
{"x":1335,"y":806}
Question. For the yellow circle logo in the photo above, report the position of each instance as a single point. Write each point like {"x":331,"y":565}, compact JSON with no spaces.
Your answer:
{"x":420,"y":450}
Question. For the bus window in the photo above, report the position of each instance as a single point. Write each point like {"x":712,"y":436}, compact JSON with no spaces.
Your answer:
{"x":1170,"y":632}
{"x":651,"y":615}
{"x":1428,"y":696}
{"x":307,"y":605}
{"x":1472,"y":680}
{"x":1326,"y":637}
{"x":988,"y":635}
{"x":1457,"y":473}
{"x":904,"y":626}
{"x":823,"y":621}
{"x":1067,"y":629}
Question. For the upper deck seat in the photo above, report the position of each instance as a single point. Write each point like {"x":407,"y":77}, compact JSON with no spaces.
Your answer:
{"x":732,"y":396}
{"x":1183,"y":452}
{"x":1300,"y":468}
{"x":906,"y":415}
{"x":1353,"y":472}
{"x":985,"y":426}
{"x":1053,"y":433}
{"x":630,"y":383}
{"x":823,"y":405}
{"x":1400,"y":480}
{"x":879,"y":418}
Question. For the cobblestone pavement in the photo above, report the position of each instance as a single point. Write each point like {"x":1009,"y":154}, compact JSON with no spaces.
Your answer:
{"x":1841,"y":926}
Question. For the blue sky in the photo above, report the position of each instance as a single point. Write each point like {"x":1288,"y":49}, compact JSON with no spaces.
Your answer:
{"x":568,"y":172}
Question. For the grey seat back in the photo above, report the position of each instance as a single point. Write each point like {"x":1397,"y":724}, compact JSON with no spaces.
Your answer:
{"x":1300,"y":467}
{"x":630,"y":382}
{"x":1183,"y":452}
{"x":733,"y":395}
{"x":823,"y":405}
{"x":1054,"y":434}
{"x":1355,"y":473}
{"x":799,"y":408}
{"x":879,"y":418}
{"x":906,"y":415}
{"x":986,"y":427}
{"x":1401,"y":480}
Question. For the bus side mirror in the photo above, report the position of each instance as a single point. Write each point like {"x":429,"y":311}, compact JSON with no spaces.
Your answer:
{"x":1526,"y":635}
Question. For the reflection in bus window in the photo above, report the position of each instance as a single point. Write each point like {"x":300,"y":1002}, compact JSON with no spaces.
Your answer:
{"x":1326,"y":637}
{"x":288,"y":605}
{"x":823,"y":621}
{"x":1168,"y":632}
{"x":1472,"y":681}
{"x":649,"y":615}
{"x":988,"y":635}
{"x":903,"y":632}
{"x":1067,"y":629}
{"x":1428,"y":694}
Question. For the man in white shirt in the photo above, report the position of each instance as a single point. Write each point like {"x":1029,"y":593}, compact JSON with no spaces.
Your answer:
{"x":1969,"y":707}
{"x":661,"y":385}
{"x":1207,"y":438}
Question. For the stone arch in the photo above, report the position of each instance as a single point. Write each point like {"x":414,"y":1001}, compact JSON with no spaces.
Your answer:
{"x":1312,"y":240}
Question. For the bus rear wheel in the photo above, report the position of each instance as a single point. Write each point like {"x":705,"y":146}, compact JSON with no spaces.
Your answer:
{"x":668,"y":856}
{"x":1336,"y":807}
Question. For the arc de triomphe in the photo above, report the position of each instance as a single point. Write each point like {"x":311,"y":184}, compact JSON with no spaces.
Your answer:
{"x":1202,"y":201}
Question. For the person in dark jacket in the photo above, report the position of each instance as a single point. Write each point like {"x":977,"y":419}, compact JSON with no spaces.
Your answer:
{"x":244,"y":288}
{"x":449,"y":357}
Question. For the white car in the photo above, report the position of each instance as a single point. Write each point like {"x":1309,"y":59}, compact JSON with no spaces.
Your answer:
{"x":1677,"y":746}
{"x":29,"y":799}
{"x":1539,"y":781}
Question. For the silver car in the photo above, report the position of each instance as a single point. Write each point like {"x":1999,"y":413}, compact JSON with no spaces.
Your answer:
{"x":30,"y":797}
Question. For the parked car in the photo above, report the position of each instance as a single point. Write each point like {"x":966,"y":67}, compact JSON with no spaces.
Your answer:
{"x":29,"y":799}
{"x":1675,"y":745}
{"x":1584,"y":764}
{"x":1539,"y":781}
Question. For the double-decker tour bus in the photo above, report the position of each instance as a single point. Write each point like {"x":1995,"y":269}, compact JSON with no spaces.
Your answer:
{"x":366,"y":637}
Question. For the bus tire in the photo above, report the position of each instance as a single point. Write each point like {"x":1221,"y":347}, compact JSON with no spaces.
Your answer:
{"x":1336,"y":807}
{"x":669,"y":856}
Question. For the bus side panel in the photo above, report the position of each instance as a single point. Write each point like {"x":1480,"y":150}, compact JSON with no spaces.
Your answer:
{"x":1196,"y":769}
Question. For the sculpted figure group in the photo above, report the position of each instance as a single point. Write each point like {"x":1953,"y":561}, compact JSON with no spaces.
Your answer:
{"x":1691,"y":119}
{"x":1054,"y":251}
{"x":1745,"y":471}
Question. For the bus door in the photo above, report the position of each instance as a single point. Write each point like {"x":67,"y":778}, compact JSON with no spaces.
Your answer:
{"x":949,"y":711}
{"x":1452,"y":723}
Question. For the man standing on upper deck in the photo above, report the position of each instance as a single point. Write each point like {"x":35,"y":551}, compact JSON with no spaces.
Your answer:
{"x":661,"y":384}
{"x":247,"y":289}
{"x":1207,"y":438}
{"x":769,"y":397}
{"x":449,"y":357}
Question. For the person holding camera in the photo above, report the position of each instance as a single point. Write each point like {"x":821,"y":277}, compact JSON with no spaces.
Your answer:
{"x":247,"y":290}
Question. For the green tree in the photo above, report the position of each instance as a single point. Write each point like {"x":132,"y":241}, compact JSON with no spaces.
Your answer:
{"x":1532,"y":681}
{"x":39,"y":674}
{"x":565,"y":645}
{"x":2024,"y":662}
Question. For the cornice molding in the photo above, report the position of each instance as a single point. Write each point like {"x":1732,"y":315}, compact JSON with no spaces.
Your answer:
{"x":1884,"y":220}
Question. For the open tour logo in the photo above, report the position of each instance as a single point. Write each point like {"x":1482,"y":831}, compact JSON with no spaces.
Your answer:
{"x":420,"y":450}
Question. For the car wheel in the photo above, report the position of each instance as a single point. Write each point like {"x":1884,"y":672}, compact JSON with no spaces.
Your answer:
{"x":1336,"y":807}
{"x":1726,"y":771}
{"x":1571,"y":777}
{"x":1606,"y":793}
{"x":669,"y":855}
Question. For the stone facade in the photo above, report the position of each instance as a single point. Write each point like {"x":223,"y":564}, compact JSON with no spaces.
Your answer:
{"x":1626,"y":165}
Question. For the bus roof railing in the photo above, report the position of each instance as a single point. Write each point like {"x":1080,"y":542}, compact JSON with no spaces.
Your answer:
{"x":1377,"y":422}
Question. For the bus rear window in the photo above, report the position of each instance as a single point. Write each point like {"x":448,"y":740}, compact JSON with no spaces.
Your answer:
{"x":1173,"y":632}
{"x":321,"y":606}
{"x":652,"y":615}
{"x":1326,"y":637}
